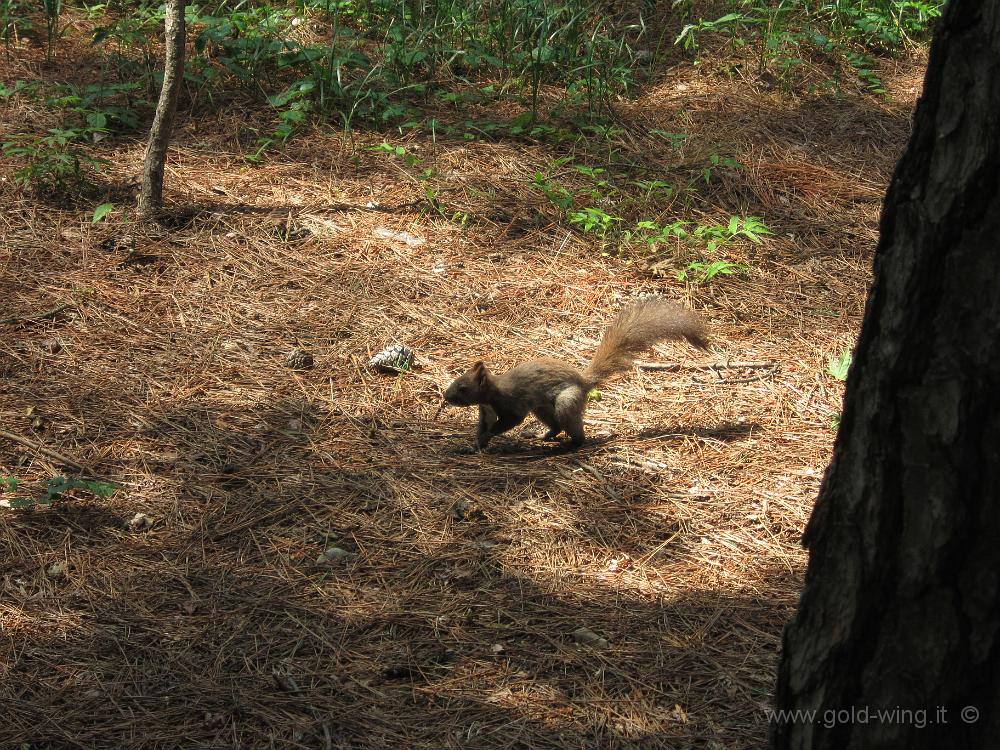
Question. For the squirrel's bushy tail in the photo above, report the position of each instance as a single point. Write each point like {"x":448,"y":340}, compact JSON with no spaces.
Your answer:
{"x":637,"y":328}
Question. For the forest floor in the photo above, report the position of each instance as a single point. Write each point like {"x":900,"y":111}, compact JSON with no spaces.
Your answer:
{"x":630,"y":594}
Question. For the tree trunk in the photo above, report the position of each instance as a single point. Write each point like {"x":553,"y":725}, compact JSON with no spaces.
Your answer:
{"x":901,"y":606}
{"x":151,"y":194}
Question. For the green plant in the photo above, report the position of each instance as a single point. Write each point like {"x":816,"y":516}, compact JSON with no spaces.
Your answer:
{"x":864,"y":67}
{"x":53,"y":9}
{"x":592,"y":220}
{"x":130,"y":37}
{"x":101,"y":212}
{"x":652,"y":233}
{"x":6,"y":92}
{"x":838,"y":367}
{"x":702,"y":273}
{"x":13,"y":20}
{"x":847,"y":29}
{"x":688,"y":37}
{"x":652,"y":188}
{"x":748,"y":227}
{"x":401,"y":153}
{"x":378,"y":56}
{"x":676,"y":140}
{"x":881,"y":23}
{"x":53,"y":490}
{"x":294,"y":104}
{"x":55,"y":163}
{"x":99,"y":108}
{"x":558,"y":195}
{"x":714,"y":162}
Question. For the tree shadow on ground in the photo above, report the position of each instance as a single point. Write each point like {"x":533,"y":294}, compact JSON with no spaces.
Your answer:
{"x":439,"y":622}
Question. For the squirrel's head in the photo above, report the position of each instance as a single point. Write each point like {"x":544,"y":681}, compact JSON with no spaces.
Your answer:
{"x":470,"y":387}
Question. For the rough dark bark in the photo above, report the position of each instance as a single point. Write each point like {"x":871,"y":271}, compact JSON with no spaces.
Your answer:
{"x":901,"y":607}
{"x":151,"y":193}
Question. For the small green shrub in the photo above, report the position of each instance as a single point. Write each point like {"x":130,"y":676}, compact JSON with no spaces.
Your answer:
{"x":593,"y":220}
{"x":14,"y":20}
{"x":702,"y":273}
{"x":848,"y":29}
{"x":52,"y":491}
{"x":55,"y":162}
{"x":558,"y":195}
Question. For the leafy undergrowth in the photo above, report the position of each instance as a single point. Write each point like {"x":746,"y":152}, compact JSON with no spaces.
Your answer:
{"x":322,"y":563}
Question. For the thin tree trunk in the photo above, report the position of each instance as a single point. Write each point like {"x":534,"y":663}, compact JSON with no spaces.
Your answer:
{"x":901,"y":607}
{"x":151,"y":194}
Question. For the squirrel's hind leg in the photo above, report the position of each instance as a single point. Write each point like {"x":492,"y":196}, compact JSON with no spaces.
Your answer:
{"x":575,"y":431}
{"x":569,"y":408}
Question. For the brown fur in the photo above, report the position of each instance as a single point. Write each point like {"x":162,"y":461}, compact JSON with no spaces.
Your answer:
{"x":557,"y":393}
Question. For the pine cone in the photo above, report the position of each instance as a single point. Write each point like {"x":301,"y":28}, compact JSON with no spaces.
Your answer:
{"x":395,"y":358}
{"x":299,"y":360}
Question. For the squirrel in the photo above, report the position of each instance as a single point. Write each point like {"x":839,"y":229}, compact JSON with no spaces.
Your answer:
{"x":555,"y":392}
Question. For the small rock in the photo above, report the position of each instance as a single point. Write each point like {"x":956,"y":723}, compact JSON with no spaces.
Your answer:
{"x":299,"y":360}
{"x":56,"y":570}
{"x":322,"y":227}
{"x":410,"y":240}
{"x":139,"y":522}
{"x":332,"y":554}
{"x":587,"y":637}
{"x":123,"y":243}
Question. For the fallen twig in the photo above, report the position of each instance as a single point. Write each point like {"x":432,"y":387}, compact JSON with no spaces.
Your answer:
{"x":51,"y":453}
{"x":730,"y":365}
{"x":37,"y":316}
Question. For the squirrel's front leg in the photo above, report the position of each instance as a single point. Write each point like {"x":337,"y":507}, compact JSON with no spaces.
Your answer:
{"x":497,"y":424}
{"x":487,"y":418}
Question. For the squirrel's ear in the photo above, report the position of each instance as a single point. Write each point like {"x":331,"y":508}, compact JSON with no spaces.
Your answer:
{"x":479,"y":371}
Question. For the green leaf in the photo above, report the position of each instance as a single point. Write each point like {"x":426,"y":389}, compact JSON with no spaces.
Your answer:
{"x":101,"y":489}
{"x":101,"y":211}
{"x":97,"y":120}
{"x":838,"y":367}
{"x":57,"y":486}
